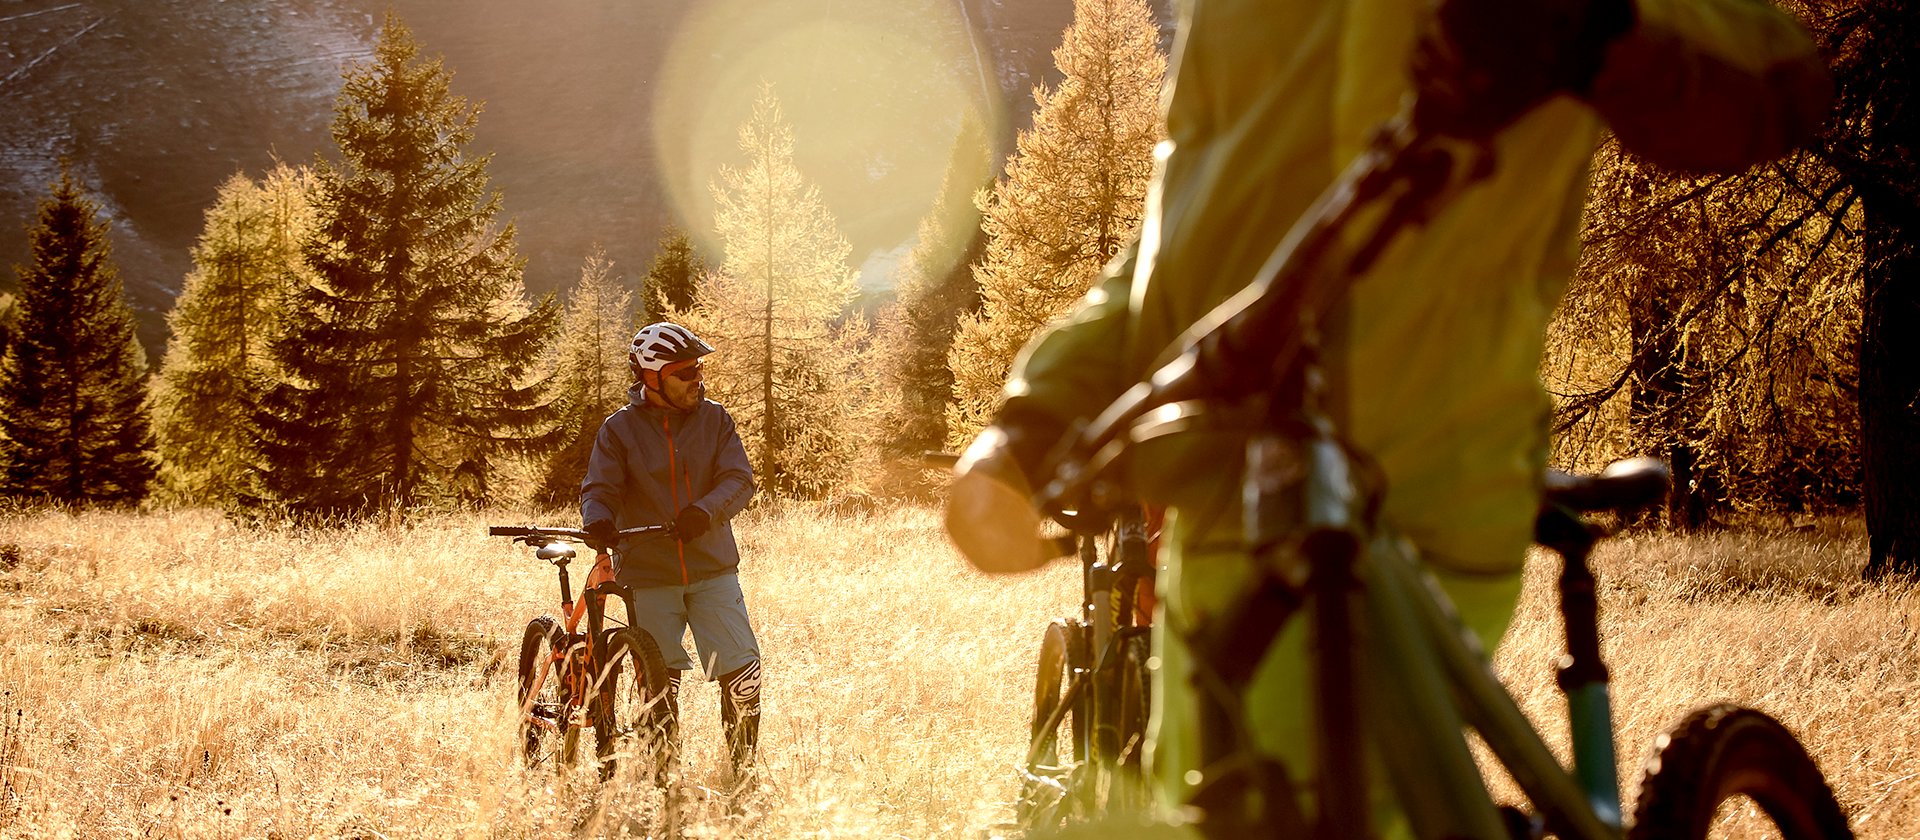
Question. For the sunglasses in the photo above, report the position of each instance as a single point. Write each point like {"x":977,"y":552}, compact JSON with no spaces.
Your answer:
{"x":690,"y":373}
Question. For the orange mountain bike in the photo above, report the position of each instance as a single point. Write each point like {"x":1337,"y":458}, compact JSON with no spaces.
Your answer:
{"x":610,"y":678}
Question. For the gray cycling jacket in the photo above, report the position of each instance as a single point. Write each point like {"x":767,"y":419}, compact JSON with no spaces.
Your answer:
{"x":648,"y":464}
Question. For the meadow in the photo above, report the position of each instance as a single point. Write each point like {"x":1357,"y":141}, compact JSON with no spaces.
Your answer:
{"x":179,"y":675}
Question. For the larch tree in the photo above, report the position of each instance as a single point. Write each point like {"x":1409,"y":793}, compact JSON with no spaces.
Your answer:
{"x":222,"y":331}
{"x":590,"y":375}
{"x":671,"y":278}
{"x":1073,"y":195}
{"x":914,"y":335}
{"x":1712,"y":324}
{"x":74,"y":422}
{"x":773,"y":310}
{"x":409,"y":362}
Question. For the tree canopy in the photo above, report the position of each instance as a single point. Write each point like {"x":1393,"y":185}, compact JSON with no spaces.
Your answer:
{"x":74,"y":424}
{"x":773,"y":309}
{"x":1074,"y":193}
{"x":409,"y":361}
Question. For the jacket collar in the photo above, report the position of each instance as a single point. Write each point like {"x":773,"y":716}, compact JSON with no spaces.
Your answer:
{"x":637,"y":398}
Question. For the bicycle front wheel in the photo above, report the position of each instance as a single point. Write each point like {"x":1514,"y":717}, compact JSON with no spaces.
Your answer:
{"x":1721,"y":754}
{"x":548,"y":731}
{"x":629,"y":703}
{"x":1135,"y":706}
{"x":1057,"y":750}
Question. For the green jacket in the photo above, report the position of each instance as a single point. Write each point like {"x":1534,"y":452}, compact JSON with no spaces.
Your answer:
{"x":1437,"y":354}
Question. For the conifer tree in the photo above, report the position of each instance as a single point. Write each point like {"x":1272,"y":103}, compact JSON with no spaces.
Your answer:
{"x":770,"y":310}
{"x":408,"y":362}
{"x":223,"y":327}
{"x":670,"y":281}
{"x":1073,"y":195}
{"x":936,"y":287}
{"x":590,"y":375}
{"x":74,"y":425}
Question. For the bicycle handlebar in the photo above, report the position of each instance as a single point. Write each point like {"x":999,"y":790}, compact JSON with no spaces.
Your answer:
{"x":569,"y":534}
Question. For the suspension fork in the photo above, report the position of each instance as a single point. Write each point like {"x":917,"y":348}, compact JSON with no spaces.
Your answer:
{"x":1331,"y":547}
{"x":594,"y":598}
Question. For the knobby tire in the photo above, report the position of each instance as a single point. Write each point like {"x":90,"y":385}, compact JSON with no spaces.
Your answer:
{"x":631,"y":703}
{"x":541,"y":638}
{"x":1722,"y":752}
{"x":1049,"y":795}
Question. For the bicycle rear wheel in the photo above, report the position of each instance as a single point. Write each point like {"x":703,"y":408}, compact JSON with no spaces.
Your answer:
{"x":547,"y":733}
{"x":630,"y":702}
{"x":1725,"y":752}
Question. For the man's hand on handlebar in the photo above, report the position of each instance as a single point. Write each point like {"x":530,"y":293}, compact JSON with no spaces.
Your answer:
{"x":991,"y":516}
{"x":602,"y":536}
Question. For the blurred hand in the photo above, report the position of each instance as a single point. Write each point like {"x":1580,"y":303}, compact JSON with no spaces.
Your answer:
{"x":1481,"y":64}
{"x":691,"y":523}
{"x":990,"y":513}
{"x":602,"y":535}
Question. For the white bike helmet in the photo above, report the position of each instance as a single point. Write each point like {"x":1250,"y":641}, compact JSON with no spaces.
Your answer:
{"x":657,"y":345}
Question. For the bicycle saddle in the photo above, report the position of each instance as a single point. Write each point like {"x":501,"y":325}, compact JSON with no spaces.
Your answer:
{"x":1623,"y":485}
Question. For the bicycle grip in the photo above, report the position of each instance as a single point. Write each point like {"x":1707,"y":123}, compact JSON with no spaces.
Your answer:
{"x":508,"y":530}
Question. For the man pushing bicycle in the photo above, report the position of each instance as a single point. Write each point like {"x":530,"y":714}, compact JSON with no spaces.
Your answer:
{"x":673,"y":456}
{"x":1430,"y":352}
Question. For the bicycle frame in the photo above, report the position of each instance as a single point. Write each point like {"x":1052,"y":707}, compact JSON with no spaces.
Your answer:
{"x":1390,"y":648}
{"x":581,"y":688}
{"x":1391,"y":652}
{"x":592,"y":606}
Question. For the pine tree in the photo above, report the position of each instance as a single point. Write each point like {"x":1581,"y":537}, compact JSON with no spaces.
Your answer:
{"x":1073,"y":195}
{"x":936,"y":287}
{"x":590,"y":375}
{"x":770,"y":310}
{"x":670,"y":281}
{"x":73,"y":398}
{"x":223,"y":326}
{"x":409,"y":361}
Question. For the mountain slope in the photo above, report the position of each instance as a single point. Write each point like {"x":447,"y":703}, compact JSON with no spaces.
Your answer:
{"x":155,"y":102}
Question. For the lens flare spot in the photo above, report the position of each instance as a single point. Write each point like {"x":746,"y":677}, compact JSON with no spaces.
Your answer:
{"x":877,"y":93}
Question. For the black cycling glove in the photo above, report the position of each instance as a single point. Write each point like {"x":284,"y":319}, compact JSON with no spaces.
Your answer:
{"x":602,"y":535}
{"x":692,"y":523}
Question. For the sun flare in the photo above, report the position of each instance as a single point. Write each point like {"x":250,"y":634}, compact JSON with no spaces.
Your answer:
{"x":876,"y":92}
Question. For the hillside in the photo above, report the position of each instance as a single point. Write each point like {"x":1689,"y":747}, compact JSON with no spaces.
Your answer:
{"x":156,"y":102}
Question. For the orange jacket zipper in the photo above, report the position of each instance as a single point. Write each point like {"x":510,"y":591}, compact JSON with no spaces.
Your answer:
{"x":673,"y":468}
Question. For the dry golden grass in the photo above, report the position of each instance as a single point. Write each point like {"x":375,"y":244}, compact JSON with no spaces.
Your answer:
{"x":178,"y":676}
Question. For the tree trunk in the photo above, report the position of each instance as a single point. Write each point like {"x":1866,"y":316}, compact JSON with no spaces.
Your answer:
{"x":1659,"y":399}
{"x":1890,"y":384}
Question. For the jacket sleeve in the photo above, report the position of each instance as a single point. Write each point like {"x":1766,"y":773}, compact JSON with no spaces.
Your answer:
{"x":732,"y":475}
{"x":1712,"y":85}
{"x":1073,"y":369}
{"x":606,"y":477}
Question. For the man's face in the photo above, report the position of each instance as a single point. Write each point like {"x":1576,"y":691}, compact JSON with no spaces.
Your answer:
{"x":683,"y":384}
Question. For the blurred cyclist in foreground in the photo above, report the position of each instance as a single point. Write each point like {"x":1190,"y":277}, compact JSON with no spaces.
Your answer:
{"x":1432,"y":352}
